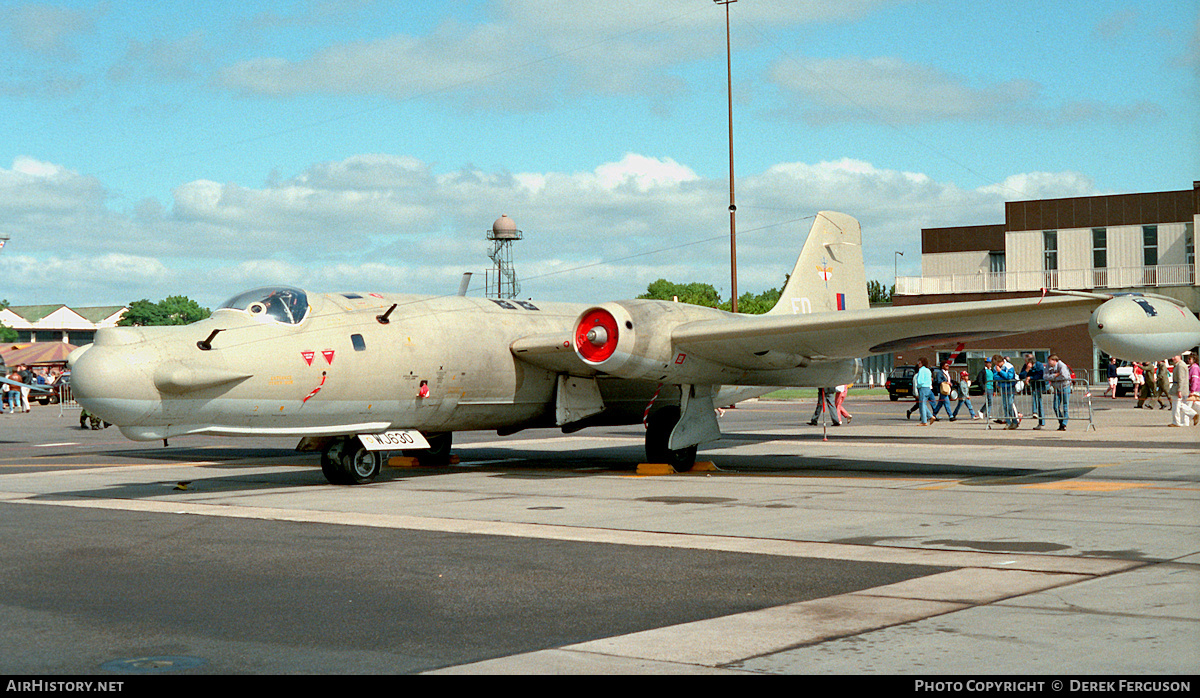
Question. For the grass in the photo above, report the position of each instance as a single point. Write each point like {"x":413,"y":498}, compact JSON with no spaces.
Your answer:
{"x":811,"y":393}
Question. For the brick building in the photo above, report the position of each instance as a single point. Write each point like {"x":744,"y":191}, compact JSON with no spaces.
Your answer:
{"x":1118,"y":243}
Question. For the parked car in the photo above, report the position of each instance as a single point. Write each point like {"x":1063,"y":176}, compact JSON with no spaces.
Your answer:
{"x":51,"y":396}
{"x":900,"y":382}
{"x":1124,"y":378}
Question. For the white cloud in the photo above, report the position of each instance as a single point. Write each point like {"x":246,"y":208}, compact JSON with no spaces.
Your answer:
{"x":388,"y":223}
{"x":643,"y":173}
{"x":894,"y":91}
{"x":45,"y":29}
{"x":162,"y":59}
{"x":532,"y":52}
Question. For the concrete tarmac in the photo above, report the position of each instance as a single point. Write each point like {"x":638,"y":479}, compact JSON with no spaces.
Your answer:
{"x":877,"y":547}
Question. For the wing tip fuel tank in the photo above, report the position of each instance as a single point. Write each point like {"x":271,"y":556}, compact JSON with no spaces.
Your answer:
{"x":1141,"y":328}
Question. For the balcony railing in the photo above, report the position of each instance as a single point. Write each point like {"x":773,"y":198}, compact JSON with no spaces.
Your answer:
{"x":1071,"y":279}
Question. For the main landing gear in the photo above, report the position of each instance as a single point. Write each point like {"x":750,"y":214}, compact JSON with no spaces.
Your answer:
{"x":658,"y":435}
{"x":438,"y":452}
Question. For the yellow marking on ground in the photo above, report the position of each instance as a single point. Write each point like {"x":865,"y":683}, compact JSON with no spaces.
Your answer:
{"x":1087,"y":486}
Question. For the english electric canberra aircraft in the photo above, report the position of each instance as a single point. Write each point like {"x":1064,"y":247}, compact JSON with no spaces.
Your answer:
{"x":359,"y":374}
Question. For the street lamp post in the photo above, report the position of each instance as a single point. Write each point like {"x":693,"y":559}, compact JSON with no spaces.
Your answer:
{"x":895,"y":270}
{"x":732,"y":205}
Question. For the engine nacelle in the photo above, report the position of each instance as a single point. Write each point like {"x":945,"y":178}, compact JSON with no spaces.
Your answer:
{"x":1141,"y":328}
{"x":632,"y":339}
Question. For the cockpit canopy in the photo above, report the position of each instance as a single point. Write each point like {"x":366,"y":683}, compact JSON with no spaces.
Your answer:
{"x":272,"y":304}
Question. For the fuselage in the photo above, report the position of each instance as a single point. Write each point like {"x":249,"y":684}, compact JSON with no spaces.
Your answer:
{"x":332,"y":367}
{"x":335,"y":370}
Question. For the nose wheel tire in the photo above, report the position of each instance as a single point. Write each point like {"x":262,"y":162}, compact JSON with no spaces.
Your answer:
{"x":347,"y":462}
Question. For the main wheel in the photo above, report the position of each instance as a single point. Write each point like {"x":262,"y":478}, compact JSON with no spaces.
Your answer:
{"x":658,"y":435}
{"x":438,"y":452}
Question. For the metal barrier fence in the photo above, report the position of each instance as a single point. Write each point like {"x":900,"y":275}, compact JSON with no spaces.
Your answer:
{"x":1012,"y":401}
{"x":66,"y":400}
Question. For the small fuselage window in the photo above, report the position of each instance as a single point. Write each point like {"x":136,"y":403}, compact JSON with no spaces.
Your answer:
{"x":272,"y":304}
{"x":359,"y":343}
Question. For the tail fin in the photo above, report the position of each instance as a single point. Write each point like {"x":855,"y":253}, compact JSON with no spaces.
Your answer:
{"x":829,"y":273}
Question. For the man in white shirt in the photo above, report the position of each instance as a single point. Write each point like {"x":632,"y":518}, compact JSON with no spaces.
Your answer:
{"x":1183,"y":412}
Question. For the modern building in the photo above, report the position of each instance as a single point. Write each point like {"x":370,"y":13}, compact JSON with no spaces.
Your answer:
{"x":1144,"y":243}
{"x":59,"y":323}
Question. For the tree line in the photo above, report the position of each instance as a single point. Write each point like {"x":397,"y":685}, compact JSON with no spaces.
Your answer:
{"x":697,"y":293}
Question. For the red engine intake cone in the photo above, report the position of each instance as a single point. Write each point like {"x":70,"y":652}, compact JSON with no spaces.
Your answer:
{"x":596,"y":335}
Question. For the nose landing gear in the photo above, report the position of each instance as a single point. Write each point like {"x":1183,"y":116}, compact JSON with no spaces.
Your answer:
{"x":346,"y":461}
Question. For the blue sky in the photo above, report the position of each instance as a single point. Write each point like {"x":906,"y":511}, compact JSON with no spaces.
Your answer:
{"x":154,"y":149}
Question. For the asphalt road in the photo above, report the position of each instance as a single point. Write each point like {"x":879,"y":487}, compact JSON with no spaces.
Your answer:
{"x":543,"y":553}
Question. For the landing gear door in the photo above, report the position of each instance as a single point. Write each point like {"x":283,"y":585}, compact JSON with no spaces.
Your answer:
{"x":577,"y":398}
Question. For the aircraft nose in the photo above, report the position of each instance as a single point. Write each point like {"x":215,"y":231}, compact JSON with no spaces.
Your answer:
{"x":109,"y":379}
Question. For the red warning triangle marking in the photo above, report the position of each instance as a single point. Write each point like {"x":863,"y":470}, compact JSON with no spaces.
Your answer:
{"x":328,"y":354}
{"x":308,"y":356}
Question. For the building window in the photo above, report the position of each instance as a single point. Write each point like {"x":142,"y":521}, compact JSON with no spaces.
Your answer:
{"x":1050,"y":250}
{"x":1149,"y":255}
{"x":1099,"y":248}
{"x":1099,"y":257}
{"x":1150,"y":245}
{"x":1050,"y":258}
{"x":1189,"y":236}
{"x":995,"y":277}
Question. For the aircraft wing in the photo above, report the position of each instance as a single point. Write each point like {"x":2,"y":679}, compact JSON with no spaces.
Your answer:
{"x":31,"y":386}
{"x":745,"y":341}
{"x":768,"y":342}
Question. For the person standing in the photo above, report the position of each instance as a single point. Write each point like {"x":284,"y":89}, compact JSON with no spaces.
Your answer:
{"x":1194,"y":385}
{"x":1147,"y":387}
{"x":25,"y":376}
{"x":1138,"y":378}
{"x":1112,"y":378}
{"x":1058,"y":375}
{"x":1163,"y":385}
{"x":1184,"y":415}
{"x":964,"y":388}
{"x":1006,"y":379}
{"x":1034,"y":377}
{"x":942,"y":387}
{"x":987,"y":379}
{"x":825,"y":404}
{"x":839,"y":403}
{"x":923,"y":386}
